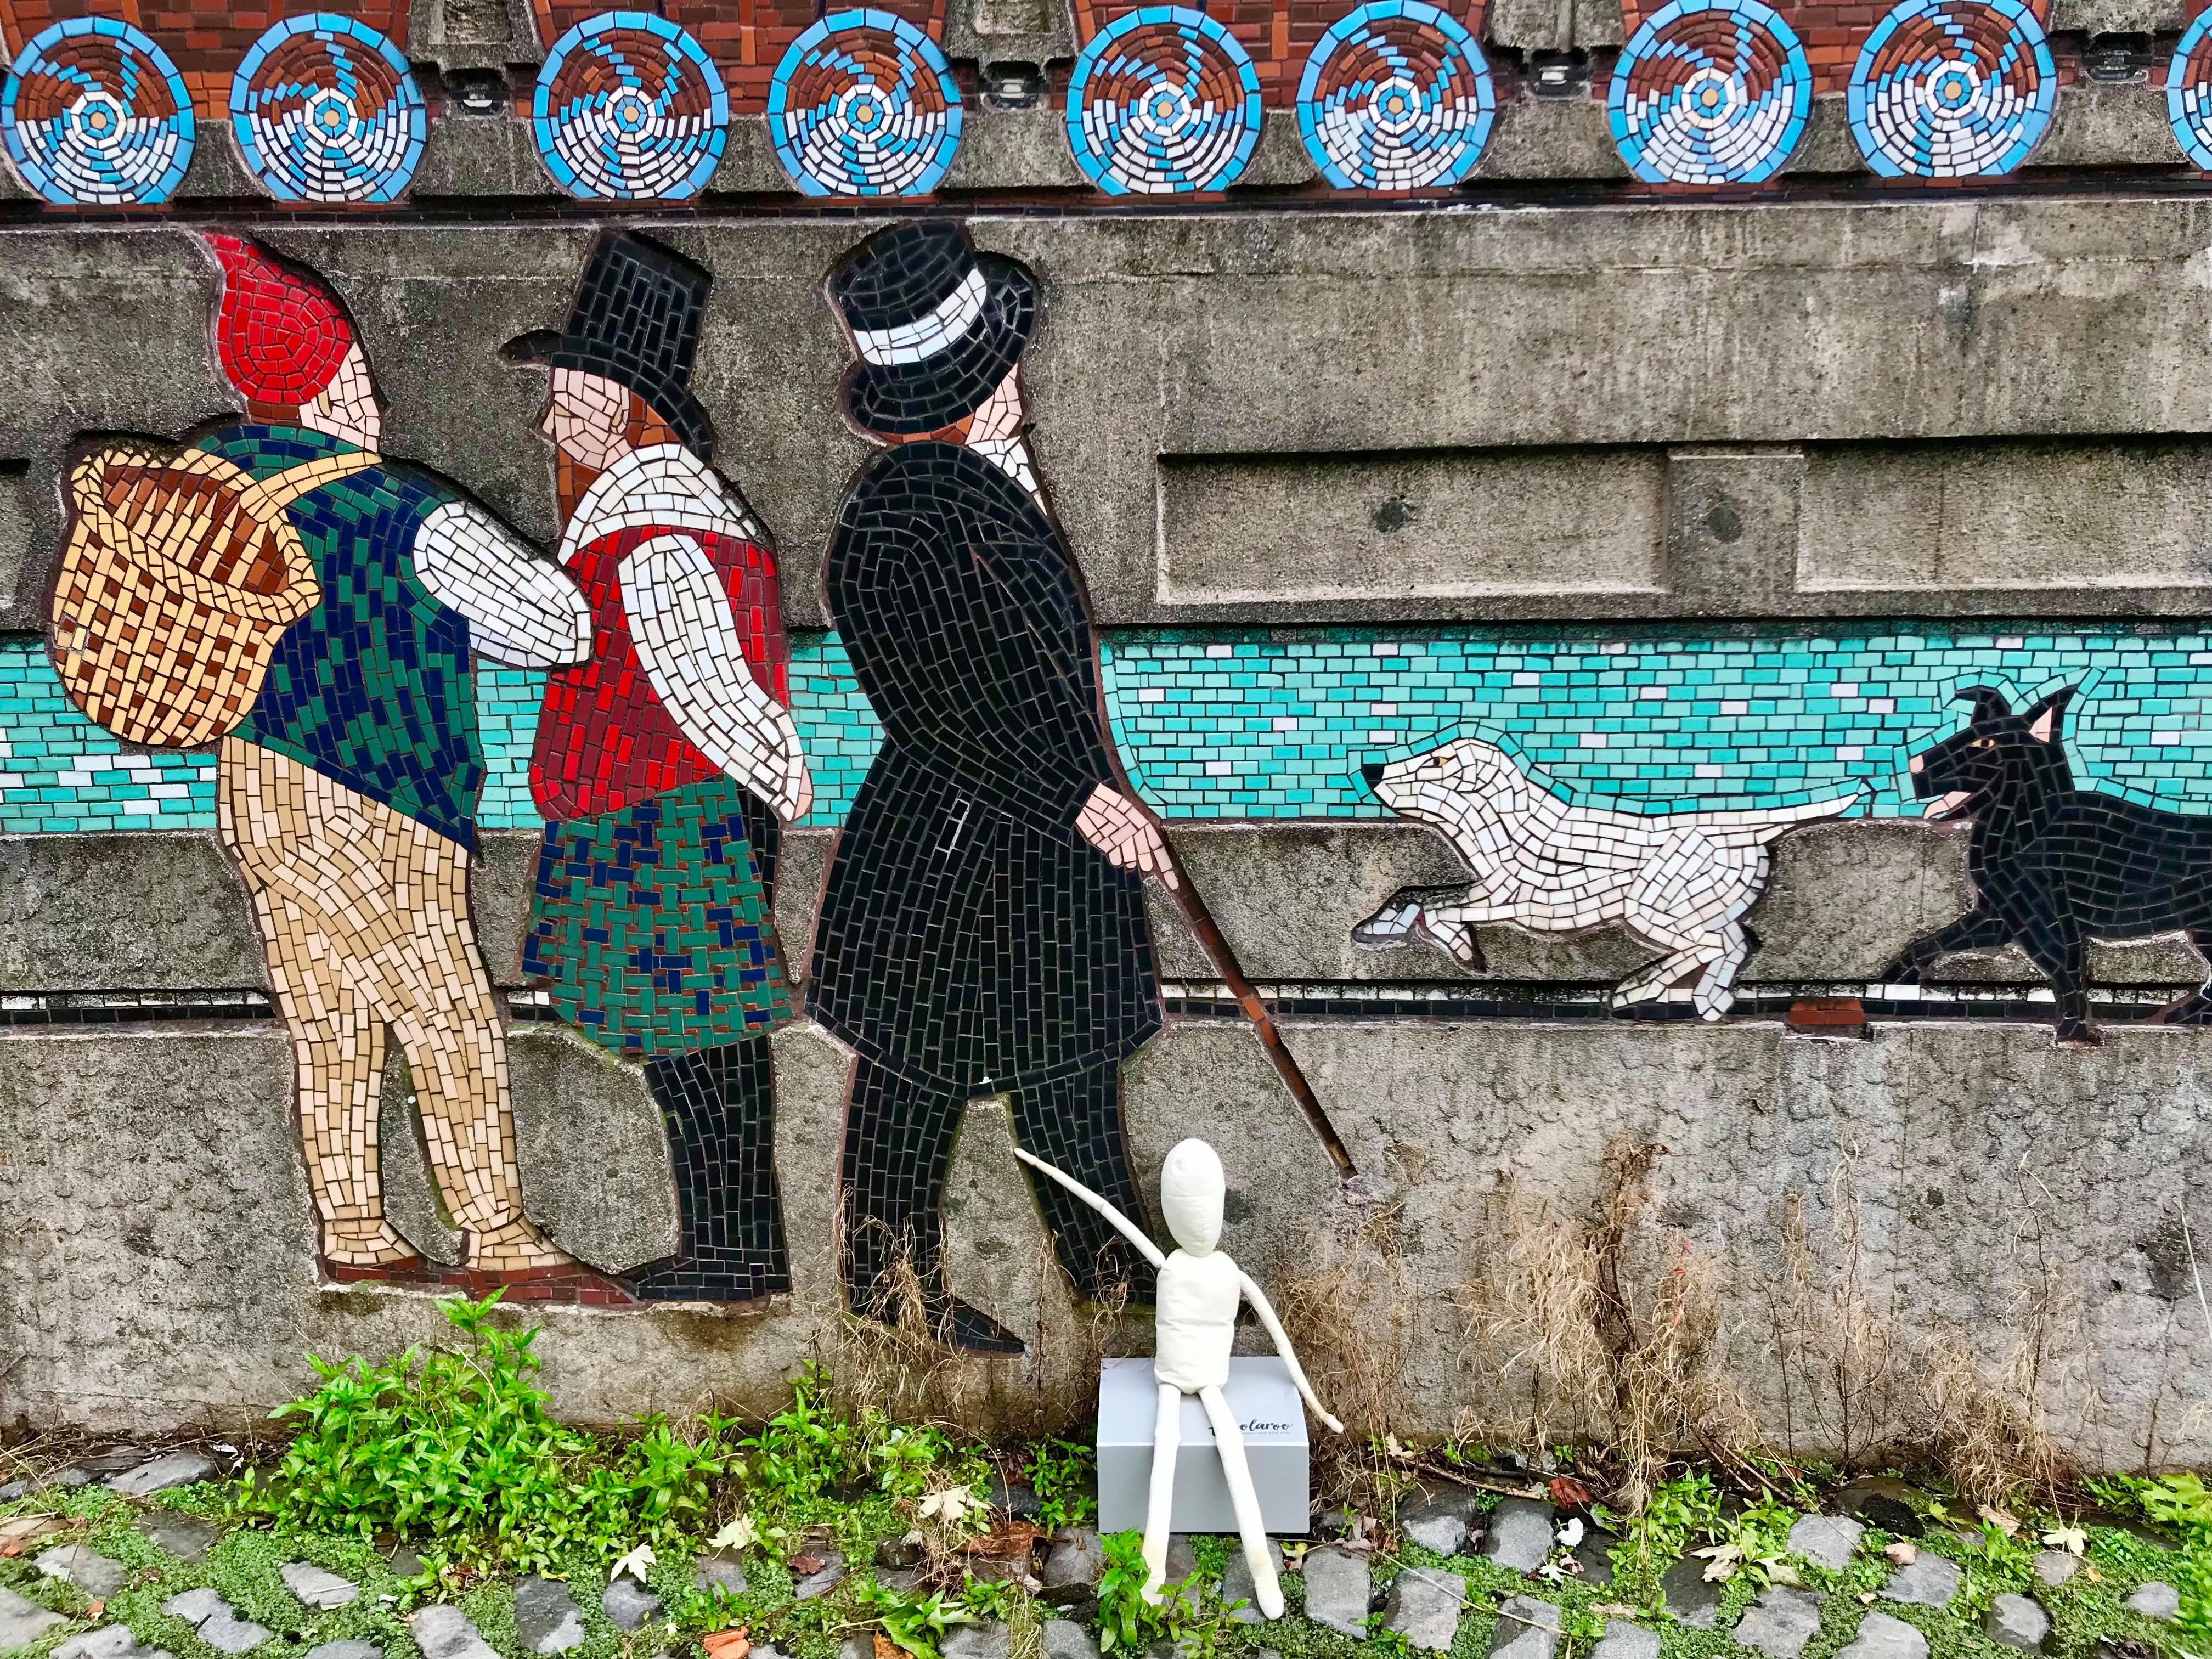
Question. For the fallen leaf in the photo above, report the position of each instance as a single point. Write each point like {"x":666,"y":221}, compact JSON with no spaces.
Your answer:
{"x":1568,"y":1493}
{"x":1615,"y":1610}
{"x":2073,"y":1540}
{"x":28,"y":1526}
{"x":1571,"y":1533}
{"x":2007,"y":1524}
{"x":739,"y":1535}
{"x":1781,"y":1572}
{"x":96,"y":1608}
{"x":634,"y":1563}
{"x":1007,"y":1540}
{"x":2089,"y":1572}
{"x":728,"y":1643}
{"x":807,"y":1566}
{"x":887,"y":1649}
{"x":1868,"y":1598}
{"x":12,"y":1546}
{"x":1902,"y":1554}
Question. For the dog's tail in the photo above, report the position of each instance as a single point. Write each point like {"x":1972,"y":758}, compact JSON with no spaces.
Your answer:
{"x":1763,"y":823}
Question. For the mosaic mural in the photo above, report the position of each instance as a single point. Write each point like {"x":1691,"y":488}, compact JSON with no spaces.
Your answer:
{"x":982,"y":927}
{"x":279,"y":585}
{"x":663,"y":763}
{"x":322,"y":106}
{"x":628,"y":106}
{"x":348,"y":670}
{"x":1163,"y":100}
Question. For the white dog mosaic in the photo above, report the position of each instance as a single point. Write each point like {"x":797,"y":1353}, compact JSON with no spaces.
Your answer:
{"x":1680,"y":881}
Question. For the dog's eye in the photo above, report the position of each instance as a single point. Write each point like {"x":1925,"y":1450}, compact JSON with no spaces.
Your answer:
{"x":1986,"y":743}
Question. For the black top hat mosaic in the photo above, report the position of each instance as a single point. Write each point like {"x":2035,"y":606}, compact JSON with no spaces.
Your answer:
{"x":937,"y":325}
{"x":636,"y":321}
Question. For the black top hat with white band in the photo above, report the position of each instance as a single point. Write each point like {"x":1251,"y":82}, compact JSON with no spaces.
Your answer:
{"x":937,"y":325}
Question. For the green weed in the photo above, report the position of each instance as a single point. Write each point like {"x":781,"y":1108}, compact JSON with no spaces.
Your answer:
{"x":1060,"y":1473}
{"x":454,"y":1447}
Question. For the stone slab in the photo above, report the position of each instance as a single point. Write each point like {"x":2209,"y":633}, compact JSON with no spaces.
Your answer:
{"x":317,"y":1587}
{"x":24,"y":1622}
{"x":546,"y":1617}
{"x":1525,"y":1628}
{"x":1825,"y":1541}
{"x":1780,"y":1622}
{"x":1337,"y":1588}
{"x":1424,"y":1606}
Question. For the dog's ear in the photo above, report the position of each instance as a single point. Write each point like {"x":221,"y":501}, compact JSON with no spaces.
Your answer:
{"x":2048,"y":717}
{"x":1989,"y":702}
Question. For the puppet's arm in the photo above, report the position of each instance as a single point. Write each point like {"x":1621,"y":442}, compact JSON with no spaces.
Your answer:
{"x":1281,"y":1339}
{"x":1128,"y":1228}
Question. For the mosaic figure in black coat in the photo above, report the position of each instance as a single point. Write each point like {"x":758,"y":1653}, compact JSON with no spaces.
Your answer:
{"x":982,"y":927}
{"x":2056,"y":867}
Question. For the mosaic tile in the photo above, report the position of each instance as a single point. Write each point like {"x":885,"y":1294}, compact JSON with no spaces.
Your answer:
{"x":663,"y":761}
{"x":1953,"y":89}
{"x":2055,"y":866}
{"x":2189,"y":92}
{"x":1710,"y":92}
{"x":864,"y":104}
{"x":93,"y":112}
{"x":628,"y":106}
{"x":1396,"y":96}
{"x":325,"y":108}
{"x":346,"y":779}
{"x":747,"y":40}
{"x":1164,"y":101}
{"x":1680,"y":881}
{"x":982,"y":927}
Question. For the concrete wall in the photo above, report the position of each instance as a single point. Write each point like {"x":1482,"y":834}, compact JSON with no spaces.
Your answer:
{"x":1272,"y":411}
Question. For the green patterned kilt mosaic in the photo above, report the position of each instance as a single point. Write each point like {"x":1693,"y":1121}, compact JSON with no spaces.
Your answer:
{"x":652,"y":925}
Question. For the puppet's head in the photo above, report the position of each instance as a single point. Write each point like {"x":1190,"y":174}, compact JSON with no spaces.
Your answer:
{"x":1192,"y":1187}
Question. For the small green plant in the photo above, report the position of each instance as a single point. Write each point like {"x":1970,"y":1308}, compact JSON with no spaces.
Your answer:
{"x":807,"y":1448}
{"x":1126,"y":1622}
{"x":905,"y":1458}
{"x":1683,"y":1508}
{"x":454,"y":1446}
{"x":915,"y":1621}
{"x":1059,"y":1474}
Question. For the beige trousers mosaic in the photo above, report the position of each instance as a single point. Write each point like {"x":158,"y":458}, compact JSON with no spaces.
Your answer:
{"x":364,"y":919}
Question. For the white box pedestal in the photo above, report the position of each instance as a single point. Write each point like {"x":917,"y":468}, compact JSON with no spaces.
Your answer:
{"x":1268,"y":1411}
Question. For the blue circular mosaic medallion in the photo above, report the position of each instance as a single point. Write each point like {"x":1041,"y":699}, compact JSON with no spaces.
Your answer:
{"x":2189,"y":92}
{"x":1397,"y":95}
{"x":1710,"y":92}
{"x":94,"y":114}
{"x":1953,"y":89}
{"x":864,"y":105}
{"x":326,"y":109}
{"x":1164,"y":101}
{"x":628,"y":106}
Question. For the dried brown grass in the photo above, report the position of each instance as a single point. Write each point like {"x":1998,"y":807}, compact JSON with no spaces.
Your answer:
{"x":1988,"y":1423}
{"x":1609,"y":1329}
{"x":1841,"y":1365}
{"x":1351,"y":1312}
{"x":894,"y":1362}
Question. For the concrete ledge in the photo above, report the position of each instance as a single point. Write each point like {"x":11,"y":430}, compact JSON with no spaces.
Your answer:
{"x":2001,"y":398}
{"x":159,"y":1270}
{"x":163,"y":912}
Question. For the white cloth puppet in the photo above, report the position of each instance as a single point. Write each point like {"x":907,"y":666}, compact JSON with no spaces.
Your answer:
{"x":1198,"y":1291}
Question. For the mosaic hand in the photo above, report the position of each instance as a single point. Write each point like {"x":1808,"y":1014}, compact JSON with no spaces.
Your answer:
{"x":1126,"y":834}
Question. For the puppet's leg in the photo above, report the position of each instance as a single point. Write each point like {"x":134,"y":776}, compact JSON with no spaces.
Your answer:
{"x":1167,"y":1438}
{"x":1245,"y":1501}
